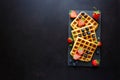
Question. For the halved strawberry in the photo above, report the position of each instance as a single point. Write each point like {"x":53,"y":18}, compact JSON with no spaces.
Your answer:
{"x":81,"y":23}
{"x":73,"y":14}
{"x":76,"y":56}
{"x":80,"y":51}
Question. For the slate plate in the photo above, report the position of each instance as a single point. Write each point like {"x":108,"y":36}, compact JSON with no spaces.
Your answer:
{"x":97,"y":54}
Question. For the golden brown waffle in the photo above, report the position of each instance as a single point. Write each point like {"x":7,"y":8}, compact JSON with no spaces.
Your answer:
{"x":87,"y":19}
{"x":88,"y":47}
{"x":86,"y":32}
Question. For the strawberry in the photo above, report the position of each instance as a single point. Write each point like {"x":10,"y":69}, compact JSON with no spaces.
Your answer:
{"x":99,"y":43}
{"x":81,"y":23}
{"x":95,"y":62}
{"x":69,"y":40}
{"x":73,"y":14}
{"x":96,"y":14}
{"x":76,"y":56}
{"x":80,"y":51}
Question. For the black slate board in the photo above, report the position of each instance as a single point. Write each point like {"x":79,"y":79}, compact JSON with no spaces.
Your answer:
{"x":96,"y":55}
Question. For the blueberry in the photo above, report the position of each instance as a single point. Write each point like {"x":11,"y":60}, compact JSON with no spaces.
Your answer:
{"x":82,"y":30}
{"x":88,"y":33}
{"x":74,"y":64}
{"x":98,"y":38}
{"x":98,"y":52}
{"x":70,"y":61}
{"x":85,"y":55}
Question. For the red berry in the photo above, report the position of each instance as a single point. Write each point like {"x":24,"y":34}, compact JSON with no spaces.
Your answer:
{"x":76,"y":56}
{"x":81,"y":23}
{"x":80,"y":51}
{"x":69,"y":40}
{"x":95,"y":62}
{"x":96,"y":15}
{"x":73,"y":14}
{"x":99,"y":44}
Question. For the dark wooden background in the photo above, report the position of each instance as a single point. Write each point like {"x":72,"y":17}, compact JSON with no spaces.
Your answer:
{"x":33,"y":42}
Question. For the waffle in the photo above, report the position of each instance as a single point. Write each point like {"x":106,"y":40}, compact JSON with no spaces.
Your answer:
{"x":88,"y":20}
{"x":86,"y":32}
{"x":88,"y":47}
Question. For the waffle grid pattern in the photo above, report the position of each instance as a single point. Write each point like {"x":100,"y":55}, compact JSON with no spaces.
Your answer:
{"x":89,"y":48}
{"x":88,"y":20}
{"x":86,"y":32}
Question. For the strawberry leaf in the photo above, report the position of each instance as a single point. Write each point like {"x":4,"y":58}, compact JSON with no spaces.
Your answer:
{"x":70,"y":11}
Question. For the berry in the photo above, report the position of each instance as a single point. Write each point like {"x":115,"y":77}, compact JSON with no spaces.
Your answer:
{"x":88,"y":33}
{"x":76,"y":56}
{"x":80,"y":51}
{"x":69,"y":40}
{"x":96,"y":15}
{"x":81,"y":23}
{"x":95,"y":62}
{"x":73,"y":14}
{"x":99,"y":43}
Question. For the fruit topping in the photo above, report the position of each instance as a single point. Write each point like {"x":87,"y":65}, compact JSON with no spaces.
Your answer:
{"x":69,"y":40}
{"x":96,"y":14}
{"x":76,"y":56}
{"x":95,"y":62}
{"x":73,"y":14}
{"x":81,"y":22}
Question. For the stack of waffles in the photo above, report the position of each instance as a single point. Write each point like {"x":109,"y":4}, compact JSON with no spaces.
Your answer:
{"x":85,"y":40}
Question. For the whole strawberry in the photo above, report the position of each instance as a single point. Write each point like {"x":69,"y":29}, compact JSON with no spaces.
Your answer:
{"x":73,"y":14}
{"x":95,"y":62}
{"x":96,"y":14}
{"x":69,"y":40}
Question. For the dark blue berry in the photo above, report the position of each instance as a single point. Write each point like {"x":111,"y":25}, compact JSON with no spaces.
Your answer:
{"x":82,"y":30}
{"x":88,"y":33}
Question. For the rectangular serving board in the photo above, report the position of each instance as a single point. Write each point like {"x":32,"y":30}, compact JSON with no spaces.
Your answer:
{"x":96,"y":55}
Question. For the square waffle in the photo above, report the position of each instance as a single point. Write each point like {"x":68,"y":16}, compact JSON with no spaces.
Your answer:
{"x":88,"y":20}
{"x":86,"y":32}
{"x":88,"y":49}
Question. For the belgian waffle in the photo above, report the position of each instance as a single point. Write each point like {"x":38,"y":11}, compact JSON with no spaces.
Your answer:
{"x":86,"y":32}
{"x":88,"y":47}
{"x":87,"y":19}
